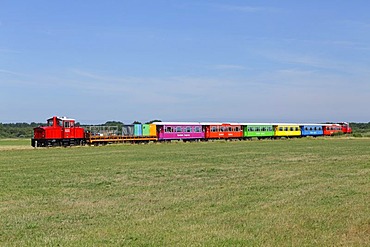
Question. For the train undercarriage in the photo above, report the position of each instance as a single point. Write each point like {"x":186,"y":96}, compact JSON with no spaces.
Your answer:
{"x":57,"y":142}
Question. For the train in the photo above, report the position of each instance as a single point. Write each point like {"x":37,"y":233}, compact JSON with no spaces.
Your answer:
{"x":63,"y":131}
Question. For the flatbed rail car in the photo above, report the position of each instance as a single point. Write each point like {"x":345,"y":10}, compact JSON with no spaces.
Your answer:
{"x":95,"y":140}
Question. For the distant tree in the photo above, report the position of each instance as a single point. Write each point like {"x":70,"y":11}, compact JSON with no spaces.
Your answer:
{"x":113,"y":123}
{"x":360,"y":127}
{"x":152,"y":121}
{"x":136,"y":122}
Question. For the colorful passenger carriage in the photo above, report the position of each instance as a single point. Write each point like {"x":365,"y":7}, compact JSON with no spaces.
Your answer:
{"x":223,"y":130}
{"x":287,"y":130}
{"x":187,"y":131}
{"x":312,"y":130}
{"x":258,"y":130}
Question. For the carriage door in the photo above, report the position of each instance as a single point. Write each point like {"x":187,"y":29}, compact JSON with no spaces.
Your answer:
{"x":206,"y":130}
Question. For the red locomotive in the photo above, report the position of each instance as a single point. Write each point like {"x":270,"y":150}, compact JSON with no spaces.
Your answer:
{"x":340,"y":128}
{"x":345,"y":128}
{"x":58,"y":132}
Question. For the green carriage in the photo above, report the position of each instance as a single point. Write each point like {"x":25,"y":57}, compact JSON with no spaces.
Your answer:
{"x":258,"y":130}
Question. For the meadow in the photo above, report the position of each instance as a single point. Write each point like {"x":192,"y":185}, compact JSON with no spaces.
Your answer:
{"x":298,"y":192}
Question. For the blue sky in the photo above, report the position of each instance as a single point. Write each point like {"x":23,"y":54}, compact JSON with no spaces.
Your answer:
{"x":249,"y":61}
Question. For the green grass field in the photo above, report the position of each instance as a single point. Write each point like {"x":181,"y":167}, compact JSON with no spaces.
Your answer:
{"x":301,"y":192}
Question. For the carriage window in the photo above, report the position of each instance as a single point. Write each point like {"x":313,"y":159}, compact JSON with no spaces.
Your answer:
{"x":222,"y":129}
{"x":286,"y":129}
{"x":229,"y":129}
{"x":263,"y":129}
{"x":296,"y":129}
{"x":237,"y":129}
{"x":197,"y":129}
{"x":280,"y":128}
{"x":251,"y":129}
{"x":178,"y":129}
{"x":270,"y":128}
{"x":188,"y":129}
{"x":213,"y":129}
{"x":168,"y":129}
{"x":257,"y":128}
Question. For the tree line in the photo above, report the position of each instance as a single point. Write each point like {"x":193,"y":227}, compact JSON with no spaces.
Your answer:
{"x":17,"y":130}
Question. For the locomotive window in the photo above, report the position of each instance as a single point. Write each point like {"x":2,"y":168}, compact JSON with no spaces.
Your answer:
{"x":168,"y":129}
{"x":178,"y":129}
{"x":197,"y":129}
{"x":66,"y":124}
{"x":50,"y":123}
